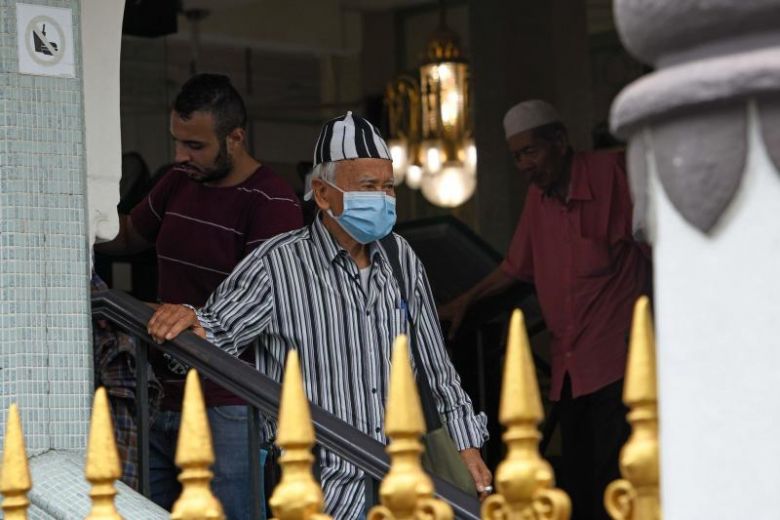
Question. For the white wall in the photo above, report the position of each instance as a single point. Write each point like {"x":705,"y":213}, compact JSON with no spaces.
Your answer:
{"x":101,"y":29}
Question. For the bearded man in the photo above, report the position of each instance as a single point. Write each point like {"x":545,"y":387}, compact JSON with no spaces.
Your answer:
{"x":214,"y":206}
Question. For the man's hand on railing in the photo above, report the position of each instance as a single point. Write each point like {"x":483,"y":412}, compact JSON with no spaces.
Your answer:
{"x":170,"y":320}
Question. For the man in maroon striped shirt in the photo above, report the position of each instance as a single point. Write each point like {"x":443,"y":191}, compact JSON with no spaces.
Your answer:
{"x":214,"y":206}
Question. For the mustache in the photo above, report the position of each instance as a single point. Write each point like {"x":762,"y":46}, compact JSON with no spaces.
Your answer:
{"x":186,"y":168}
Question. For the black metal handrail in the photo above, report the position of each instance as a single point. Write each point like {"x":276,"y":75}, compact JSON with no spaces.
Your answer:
{"x":498,"y":307}
{"x":260,"y":392}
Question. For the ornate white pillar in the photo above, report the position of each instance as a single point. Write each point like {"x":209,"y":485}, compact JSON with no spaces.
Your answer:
{"x":704,"y":154}
{"x":101,"y":45}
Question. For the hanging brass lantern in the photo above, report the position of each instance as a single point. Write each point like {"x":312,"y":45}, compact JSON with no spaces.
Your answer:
{"x":430,"y":125}
{"x":449,"y":157}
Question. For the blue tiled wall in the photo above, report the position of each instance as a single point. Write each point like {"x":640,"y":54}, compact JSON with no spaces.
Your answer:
{"x":45,"y":352}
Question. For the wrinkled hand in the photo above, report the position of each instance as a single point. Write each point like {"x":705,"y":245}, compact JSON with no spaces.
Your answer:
{"x":170,"y":320}
{"x":454,"y":312}
{"x":479,"y":471}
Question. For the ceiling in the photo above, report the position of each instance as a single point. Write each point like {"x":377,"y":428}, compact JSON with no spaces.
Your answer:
{"x":361,"y":5}
{"x":325,"y":27}
{"x":214,"y":5}
{"x":600,"y":17}
{"x":383,"y":5}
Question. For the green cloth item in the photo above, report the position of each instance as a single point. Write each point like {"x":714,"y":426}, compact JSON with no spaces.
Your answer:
{"x":441,"y":458}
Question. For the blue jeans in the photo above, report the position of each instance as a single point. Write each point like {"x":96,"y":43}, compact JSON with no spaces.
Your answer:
{"x":231,"y":483}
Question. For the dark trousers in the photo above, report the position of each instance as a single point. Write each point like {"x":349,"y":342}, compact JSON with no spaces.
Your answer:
{"x":231,"y":482}
{"x":593,"y":430}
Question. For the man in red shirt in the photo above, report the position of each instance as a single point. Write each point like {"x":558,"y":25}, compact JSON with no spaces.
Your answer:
{"x":575,"y":243}
{"x":210,"y":210}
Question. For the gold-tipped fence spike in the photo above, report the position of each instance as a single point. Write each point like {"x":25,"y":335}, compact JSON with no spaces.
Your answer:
{"x":524,"y":481}
{"x":103,"y":466}
{"x":406,"y":492}
{"x":297,"y":496}
{"x":15,"y":479}
{"x":635,"y":496}
{"x":194,"y":456}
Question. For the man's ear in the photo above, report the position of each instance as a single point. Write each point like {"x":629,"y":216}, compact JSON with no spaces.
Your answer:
{"x":236,"y":140}
{"x":319,"y":190}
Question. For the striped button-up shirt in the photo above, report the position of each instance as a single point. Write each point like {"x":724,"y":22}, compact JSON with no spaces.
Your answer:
{"x":302,"y":290}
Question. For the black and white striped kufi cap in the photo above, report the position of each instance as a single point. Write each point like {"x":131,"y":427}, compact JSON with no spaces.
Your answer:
{"x":349,"y":137}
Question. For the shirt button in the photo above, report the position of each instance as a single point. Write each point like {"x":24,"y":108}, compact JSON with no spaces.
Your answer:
{"x":378,"y":429}
{"x":373,"y":390}
{"x":368,"y":313}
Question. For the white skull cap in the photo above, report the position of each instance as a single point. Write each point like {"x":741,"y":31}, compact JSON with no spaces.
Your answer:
{"x":527,"y":115}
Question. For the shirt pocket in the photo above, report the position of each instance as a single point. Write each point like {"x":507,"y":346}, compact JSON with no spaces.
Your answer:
{"x":592,"y":257}
{"x":399,"y":325}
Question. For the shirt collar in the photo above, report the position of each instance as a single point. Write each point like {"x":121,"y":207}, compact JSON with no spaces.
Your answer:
{"x":331,"y":250}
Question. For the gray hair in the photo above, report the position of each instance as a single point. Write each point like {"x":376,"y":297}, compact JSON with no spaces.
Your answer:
{"x":325,"y":171}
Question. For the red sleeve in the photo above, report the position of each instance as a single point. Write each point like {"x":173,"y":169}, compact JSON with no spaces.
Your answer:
{"x":519,"y":260}
{"x":279,"y":212}
{"x":147,"y":215}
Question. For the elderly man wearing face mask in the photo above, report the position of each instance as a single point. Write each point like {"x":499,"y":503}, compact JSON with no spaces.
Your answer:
{"x":329,"y":291}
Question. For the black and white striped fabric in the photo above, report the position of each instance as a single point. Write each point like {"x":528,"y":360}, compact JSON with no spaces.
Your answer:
{"x":302,"y":290}
{"x":349,"y":137}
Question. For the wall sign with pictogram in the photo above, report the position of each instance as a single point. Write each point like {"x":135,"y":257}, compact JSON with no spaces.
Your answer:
{"x":45,"y":40}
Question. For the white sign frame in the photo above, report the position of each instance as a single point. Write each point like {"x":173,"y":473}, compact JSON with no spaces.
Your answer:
{"x":45,"y":51}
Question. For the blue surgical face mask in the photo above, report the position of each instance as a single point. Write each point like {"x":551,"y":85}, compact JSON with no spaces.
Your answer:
{"x":367,"y":215}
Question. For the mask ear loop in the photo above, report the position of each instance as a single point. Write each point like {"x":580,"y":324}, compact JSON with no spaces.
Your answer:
{"x":332,"y":185}
{"x":329,"y":211}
